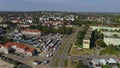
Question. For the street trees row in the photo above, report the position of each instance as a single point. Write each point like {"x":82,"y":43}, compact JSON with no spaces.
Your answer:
{"x":47,"y":30}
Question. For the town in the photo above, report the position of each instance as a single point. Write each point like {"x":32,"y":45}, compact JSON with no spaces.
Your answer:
{"x":59,"y":40}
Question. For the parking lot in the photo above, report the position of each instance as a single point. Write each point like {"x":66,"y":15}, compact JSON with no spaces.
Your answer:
{"x":45,"y":45}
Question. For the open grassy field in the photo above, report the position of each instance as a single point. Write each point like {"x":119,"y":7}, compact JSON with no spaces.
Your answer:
{"x":75,"y":51}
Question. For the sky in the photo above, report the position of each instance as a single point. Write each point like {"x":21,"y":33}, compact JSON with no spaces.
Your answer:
{"x":61,"y":5}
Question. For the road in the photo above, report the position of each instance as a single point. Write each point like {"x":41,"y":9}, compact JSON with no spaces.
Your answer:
{"x":18,"y":59}
{"x":27,"y":60}
{"x":67,"y":42}
{"x":87,"y":58}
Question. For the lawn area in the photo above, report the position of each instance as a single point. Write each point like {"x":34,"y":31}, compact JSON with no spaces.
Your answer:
{"x":65,"y":63}
{"x":74,"y":51}
{"x":76,"y":64}
{"x":72,"y":65}
{"x":61,"y":48}
{"x":56,"y":62}
{"x":110,"y":50}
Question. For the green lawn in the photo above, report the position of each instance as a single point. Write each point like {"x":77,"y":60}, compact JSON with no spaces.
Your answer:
{"x":110,"y":50}
{"x":75,"y":51}
{"x":65,"y":63}
{"x":56,"y":62}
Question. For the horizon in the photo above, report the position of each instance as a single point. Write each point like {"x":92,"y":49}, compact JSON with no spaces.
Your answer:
{"x":62,"y":5}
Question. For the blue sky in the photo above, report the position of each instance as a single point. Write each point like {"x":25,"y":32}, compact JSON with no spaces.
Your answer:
{"x":61,"y":5}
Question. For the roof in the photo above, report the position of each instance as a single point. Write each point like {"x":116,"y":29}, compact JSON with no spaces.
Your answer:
{"x":30,"y":50}
{"x":18,"y":45}
{"x":1,"y":45}
{"x":6,"y":46}
{"x":103,"y":61}
{"x":111,"y":60}
{"x":96,"y":60}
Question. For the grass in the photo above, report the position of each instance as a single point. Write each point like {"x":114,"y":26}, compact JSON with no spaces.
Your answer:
{"x":71,"y":65}
{"x":61,"y":49}
{"x":110,"y":50}
{"x":75,"y":51}
{"x":56,"y":62}
{"x":65,"y":63}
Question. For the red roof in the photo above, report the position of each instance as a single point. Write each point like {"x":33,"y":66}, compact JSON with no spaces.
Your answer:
{"x":19,"y":45}
{"x":24,"y":47}
{"x":6,"y":46}
{"x":30,"y":50}
{"x":1,"y":45}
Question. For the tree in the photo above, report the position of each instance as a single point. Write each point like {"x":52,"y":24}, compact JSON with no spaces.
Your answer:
{"x":106,"y":66}
{"x":80,"y":65}
{"x":23,"y":37}
{"x":100,"y":43}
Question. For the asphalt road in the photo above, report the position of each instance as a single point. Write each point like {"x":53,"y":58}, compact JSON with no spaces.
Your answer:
{"x":86,"y":58}
{"x":62,"y":57}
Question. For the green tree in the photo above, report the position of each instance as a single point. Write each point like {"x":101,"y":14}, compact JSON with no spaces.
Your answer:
{"x":80,"y":65}
{"x":100,"y":43}
{"x":106,"y":66}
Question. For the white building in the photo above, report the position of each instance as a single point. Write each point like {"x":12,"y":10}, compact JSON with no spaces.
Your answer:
{"x":87,"y":39}
{"x":103,"y":62}
{"x":104,"y":27}
{"x":110,"y":33}
{"x":110,"y":40}
{"x":31,"y":32}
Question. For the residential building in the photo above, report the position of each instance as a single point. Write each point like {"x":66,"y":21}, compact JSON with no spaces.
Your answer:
{"x":31,"y":32}
{"x":87,"y":39}
{"x":111,"y":40}
{"x":111,"y":62}
{"x":18,"y":47}
{"x":104,"y":27}
{"x":5,"y":48}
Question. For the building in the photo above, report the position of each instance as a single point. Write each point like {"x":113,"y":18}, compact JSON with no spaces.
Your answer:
{"x":96,"y":63}
{"x":87,"y":39}
{"x":104,"y":27}
{"x":111,"y":40}
{"x":31,"y":32}
{"x":99,"y":62}
{"x":30,"y":52}
{"x":103,"y":62}
{"x":5,"y":48}
{"x":19,"y":48}
{"x":111,"y":62}
{"x":109,"y":32}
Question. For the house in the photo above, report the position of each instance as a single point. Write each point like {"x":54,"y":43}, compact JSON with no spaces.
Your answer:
{"x":96,"y":63}
{"x":30,"y":52}
{"x":5,"y":48}
{"x":31,"y":32}
{"x":111,"y":62}
{"x":103,"y":62}
{"x":19,"y":48}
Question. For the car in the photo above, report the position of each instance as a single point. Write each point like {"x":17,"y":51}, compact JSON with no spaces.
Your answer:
{"x":46,"y":61}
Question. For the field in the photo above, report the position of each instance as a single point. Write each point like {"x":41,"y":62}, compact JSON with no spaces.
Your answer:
{"x":75,"y":51}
